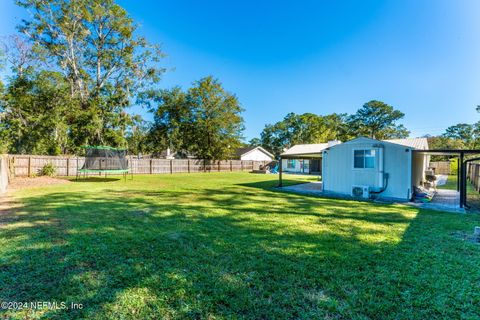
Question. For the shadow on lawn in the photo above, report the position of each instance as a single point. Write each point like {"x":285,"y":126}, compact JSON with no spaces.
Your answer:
{"x":231,"y":252}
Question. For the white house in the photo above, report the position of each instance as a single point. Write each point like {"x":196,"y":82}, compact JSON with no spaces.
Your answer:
{"x":364,"y":167}
{"x":171,"y":154}
{"x":254,"y":153}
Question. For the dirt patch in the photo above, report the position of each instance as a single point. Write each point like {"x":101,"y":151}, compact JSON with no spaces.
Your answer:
{"x":9,"y":205}
{"x":8,"y":208}
{"x":19,"y":183}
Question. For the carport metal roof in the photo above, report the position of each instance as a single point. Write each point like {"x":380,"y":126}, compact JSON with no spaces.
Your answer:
{"x":315,"y":155}
{"x":305,"y":151}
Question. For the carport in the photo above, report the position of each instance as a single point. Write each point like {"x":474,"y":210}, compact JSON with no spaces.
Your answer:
{"x":302,"y":156}
{"x":462,"y":168}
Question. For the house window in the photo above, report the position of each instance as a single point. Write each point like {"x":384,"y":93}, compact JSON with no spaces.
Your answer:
{"x":305,"y":165}
{"x":364,"y":159}
{"x":291,"y":164}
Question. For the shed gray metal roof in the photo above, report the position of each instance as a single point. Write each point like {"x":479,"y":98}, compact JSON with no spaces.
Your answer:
{"x":416,"y":143}
{"x":317,"y":148}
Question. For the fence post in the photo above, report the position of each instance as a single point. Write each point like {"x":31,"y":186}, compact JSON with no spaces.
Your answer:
{"x":231,"y":169}
{"x":151,"y":166}
{"x":475,"y":176}
{"x":171,"y":166}
{"x":204,"y":165}
{"x":29,"y":166}
{"x":241,"y":165}
{"x":68,"y":166}
{"x":477,"y":179}
{"x":218,"y":165}
{"x":188,"y":165}
{"x":11,"y":167}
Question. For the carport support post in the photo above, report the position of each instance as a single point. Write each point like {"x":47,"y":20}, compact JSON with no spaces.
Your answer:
{"x":458,"y":173}
{"x":463,"y":172}
{"x":29,"y":166}
{"x":280,"y":182}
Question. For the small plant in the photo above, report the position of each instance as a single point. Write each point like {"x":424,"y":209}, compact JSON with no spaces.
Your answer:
{"x":48,"y":170}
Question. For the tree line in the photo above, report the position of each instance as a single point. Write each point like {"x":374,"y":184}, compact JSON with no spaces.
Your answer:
{"x":374,"y":119}
{"x":75,"y":67}
{"x":459,"y":136}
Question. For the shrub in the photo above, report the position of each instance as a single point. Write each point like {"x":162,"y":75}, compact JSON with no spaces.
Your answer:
{"x":454,"y":166}
{"x":48,"y":170}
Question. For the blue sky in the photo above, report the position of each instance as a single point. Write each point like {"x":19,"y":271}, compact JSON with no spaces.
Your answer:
{"x":422,"y":57}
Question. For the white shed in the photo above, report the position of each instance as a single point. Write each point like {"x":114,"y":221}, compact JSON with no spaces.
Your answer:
{"x":254,"y":153}
{"x":365,"y":166}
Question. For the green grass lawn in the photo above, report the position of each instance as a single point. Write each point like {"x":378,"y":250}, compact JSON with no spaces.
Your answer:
{"x":451,"y":183}
{"x":227,"y":246}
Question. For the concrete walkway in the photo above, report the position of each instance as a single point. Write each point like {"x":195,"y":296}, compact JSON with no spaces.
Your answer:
{"x":444,"y":200}
{"x":447,"y":198}
{"x":306,"y":188}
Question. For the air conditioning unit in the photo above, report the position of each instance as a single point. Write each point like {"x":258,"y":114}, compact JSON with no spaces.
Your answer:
{"x":361,"y":192}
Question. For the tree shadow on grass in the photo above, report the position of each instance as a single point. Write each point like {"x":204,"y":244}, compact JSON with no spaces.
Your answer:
{"x":231,"y":252}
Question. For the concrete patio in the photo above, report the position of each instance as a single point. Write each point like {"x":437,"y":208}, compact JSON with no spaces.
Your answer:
{"x":444,"y":200}
{"x":314,"y":188}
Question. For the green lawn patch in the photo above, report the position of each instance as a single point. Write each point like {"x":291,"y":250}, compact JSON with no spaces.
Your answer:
{"x":451,"y":183}
{"x":229,"y":246}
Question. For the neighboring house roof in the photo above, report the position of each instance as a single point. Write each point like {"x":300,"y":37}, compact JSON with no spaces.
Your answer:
{"x":415,"y":143}
{"x":243,"y":151}
{"x":181,"y":154}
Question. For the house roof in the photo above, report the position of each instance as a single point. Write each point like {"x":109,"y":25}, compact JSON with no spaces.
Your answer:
{"x":242,"y":151}
{"x":415,"y":143}
{"x":315,"y":149}
{"x":306,"y":149}
{"x":180,"y":153}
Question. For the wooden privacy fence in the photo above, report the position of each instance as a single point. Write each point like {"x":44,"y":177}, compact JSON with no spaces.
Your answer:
{"x":473,"y":175}
{"x":441,"y":167}
{"x":29,"y":165}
